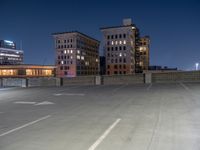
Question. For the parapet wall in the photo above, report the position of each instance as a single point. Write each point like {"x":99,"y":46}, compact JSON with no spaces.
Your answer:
{"x":149,"y":77}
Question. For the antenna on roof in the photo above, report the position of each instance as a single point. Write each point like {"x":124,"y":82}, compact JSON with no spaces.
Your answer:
{"x":20,"y":44}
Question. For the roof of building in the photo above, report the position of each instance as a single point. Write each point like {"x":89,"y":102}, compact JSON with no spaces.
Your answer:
{"x":78,"y":33}
{"x":13,"y":50}
{"x":122,"y":26}
{"x":29,"y":66}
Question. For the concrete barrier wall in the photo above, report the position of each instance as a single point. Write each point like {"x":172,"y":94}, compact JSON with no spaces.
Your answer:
{"x":172,"y":77}
{"x":13,"y":82}
{"x":81,"y":80}
{"x":123,"y":79}
{"x":32,"y":82}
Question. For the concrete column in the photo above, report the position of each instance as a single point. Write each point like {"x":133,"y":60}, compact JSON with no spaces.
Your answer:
{"x":98,"y":80}
{"x":148,"y":78}
{"x":1,"y":82}
{"x":58,"y":81}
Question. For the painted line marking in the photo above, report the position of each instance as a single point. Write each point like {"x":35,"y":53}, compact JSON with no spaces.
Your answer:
{"x":26,"y":125}
{"x":44,"y":103}
{"x":104,"y":135}
{"x":69,"y":94}
{"x":148,"y":88}
{"x":184,"y":86}
{"x":115,"y":90}
{"x":23,"y":102}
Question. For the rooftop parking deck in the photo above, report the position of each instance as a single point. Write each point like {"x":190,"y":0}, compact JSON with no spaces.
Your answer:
{"x":106,"y":117}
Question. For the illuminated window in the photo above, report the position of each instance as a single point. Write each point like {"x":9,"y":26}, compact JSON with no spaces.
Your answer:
{"x":71,"y":57}
{"x":124,"y":41}
{"x":97,"y":60}
{"x":65,"y":51}
{"x":78,"y":57}
{"x":71,"y":51}
{"x":116,"y":42}
{"x":68,"y":51}
{"x":112,"y":43}
{"x":62,"y":62}
{"x":78,"y":52}
{"x":82,"y":57}
{"x":120,"y":42}
{"x":120,"y":54}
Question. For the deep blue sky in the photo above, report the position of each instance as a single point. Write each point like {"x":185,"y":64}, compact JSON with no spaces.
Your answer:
{"x":173,"y":25}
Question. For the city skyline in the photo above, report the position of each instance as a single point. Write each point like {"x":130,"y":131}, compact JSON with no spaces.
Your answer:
{"x":172,"y":26}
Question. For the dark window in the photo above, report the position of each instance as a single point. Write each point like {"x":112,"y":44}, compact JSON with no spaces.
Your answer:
{"x":61,"y":67}
{"x":111,"y":60}
{"x":108,"y":55}
{"x":58,"y":57}
{"x":58,"y":46}
{"x":124,"y":47}
{"x":71,"y":40}
{"x":120,"y":66}
{"x":124,"y":72}
{"x":115,"y":66}
{"x":65,"y":41}
{"x":58,"y":41}
{"x":108,"y":72}
{"x":61,"y":57}
{"x":108,"y":43}
{"x":65,"y":46}
{"x":65,"y":57}
{"x":120,"y":48}
{"x":112,"y":48}
{"x":115,"y":72}
{"x":120,"y":72}
{"x":61,"y":46}
{"x":124,"y":35}
{"x":116,"y":48}
{"x":112,"y":36}
{"x":124,"y":66}
{"x":116,"y":36}
{"x":124,"y":60}
{"x":65,"y":72}
{"x":64,"y":62}
{"x":116,"y":60}
{"x":108,"y":37}
{"x":120,"y":36}
{"x":108,"y":49}
{"x":108,"y":66}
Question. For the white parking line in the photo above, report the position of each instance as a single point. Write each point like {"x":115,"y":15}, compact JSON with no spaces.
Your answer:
{"x":148,"y":88}
{"x":103,"y":136}
{"x":23,"y":102}
{"x":184,"y":86}
{"x":26,"y":125}
{"x":69,"y":94}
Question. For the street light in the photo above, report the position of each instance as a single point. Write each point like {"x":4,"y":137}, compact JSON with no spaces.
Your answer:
{"x":197,"y":66}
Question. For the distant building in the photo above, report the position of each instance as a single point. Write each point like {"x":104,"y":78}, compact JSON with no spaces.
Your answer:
{"x":125,"y":51}
{"x":102,"y":65}
{"x":26,"y":71}
{"x":8,"y":53}
{"x":77,"y":54}
{"x":7,"y":44}
{"x":160,"y":68}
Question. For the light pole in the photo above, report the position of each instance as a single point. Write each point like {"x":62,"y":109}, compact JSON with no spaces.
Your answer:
{"x":197,"y":66}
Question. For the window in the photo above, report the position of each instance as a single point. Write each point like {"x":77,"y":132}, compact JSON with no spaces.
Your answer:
{"x":108,"y":49}
{"x":124,"y":60}
{"x":108,"y":72}
{"x":61,"y":67}
{"x":111,"y":60}
{"x":58,"y":57}
{"x":124,"y":72}
{"x":120,"y":48}
{"x":120,"y":36}
{"x":111,"y":36}
{"x":124,"y":47}
{"x":112,"y":48}
{"x":124,"y":42}
{"x":108,"y":43}
{"x":116,"y":48}
{"x":58,"y":41}
{"x":65,"y":41}
{"x":124,"y":66}
{"x":115,"y":66}
{"x":108,"y":37}
{"x":120,"y":66}
{"x":116,"y":36}
{"x":112,"y":43}
{"x":65,"y":72}
{"x":115,"y":72}
{"x":108,"y":54}
{"x":116,"y":60}
{"x":108,"y":67}
{"x":124,"y":35}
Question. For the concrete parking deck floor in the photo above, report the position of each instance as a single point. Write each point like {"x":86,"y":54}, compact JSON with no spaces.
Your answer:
{"x":118,"y":117}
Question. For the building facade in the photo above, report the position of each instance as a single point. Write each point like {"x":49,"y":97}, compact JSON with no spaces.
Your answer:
{"x":9,"y":55}
{"x":122,"y":46}
{"x":76,"y":54}
{"x":16,"y":71}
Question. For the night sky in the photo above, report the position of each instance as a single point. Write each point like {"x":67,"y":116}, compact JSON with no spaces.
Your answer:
{"x":173,"y":25}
